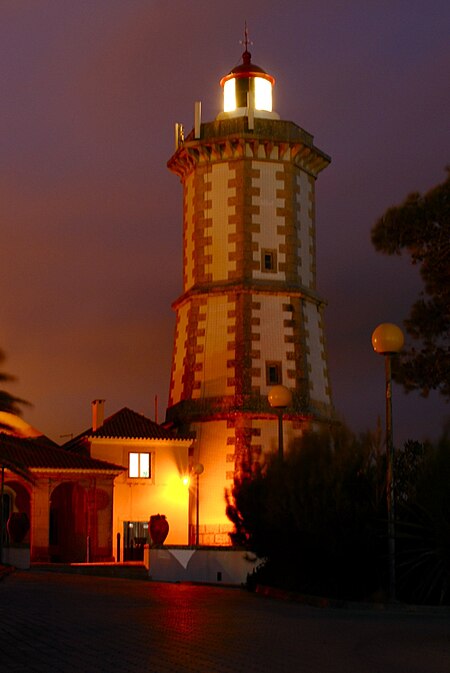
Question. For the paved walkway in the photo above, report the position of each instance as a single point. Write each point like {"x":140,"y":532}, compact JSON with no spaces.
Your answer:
{"x":76,"y":624}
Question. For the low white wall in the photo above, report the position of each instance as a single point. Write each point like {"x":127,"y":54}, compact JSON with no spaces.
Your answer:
{"x":213,"y":565}
{"x":19,"y":557}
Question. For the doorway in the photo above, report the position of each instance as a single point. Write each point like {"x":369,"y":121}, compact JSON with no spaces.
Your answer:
{"x":135,"y":536}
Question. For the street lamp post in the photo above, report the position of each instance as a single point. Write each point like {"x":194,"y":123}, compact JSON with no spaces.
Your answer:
{"x":280,"y":397}
{"x":197,"y":470}
{"x":387,"y":339}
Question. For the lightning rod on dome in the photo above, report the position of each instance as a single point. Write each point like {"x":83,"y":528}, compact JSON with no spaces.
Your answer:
{"x":246,"y":42}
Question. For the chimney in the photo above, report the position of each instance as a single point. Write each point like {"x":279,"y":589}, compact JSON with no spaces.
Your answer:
{"x":98,"y":413}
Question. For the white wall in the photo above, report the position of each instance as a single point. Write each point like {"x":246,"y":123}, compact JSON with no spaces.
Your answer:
{"x":164,"y":493}
{"x":215,"y":566}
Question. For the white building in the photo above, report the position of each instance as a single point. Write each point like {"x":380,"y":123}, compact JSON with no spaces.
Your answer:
{"x":155,"y":478}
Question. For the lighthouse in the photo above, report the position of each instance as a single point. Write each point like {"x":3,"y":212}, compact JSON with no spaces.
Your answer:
{"x":249,"y":318}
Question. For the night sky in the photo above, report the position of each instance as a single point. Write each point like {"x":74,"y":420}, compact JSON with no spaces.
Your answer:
{"x":91,"y":219}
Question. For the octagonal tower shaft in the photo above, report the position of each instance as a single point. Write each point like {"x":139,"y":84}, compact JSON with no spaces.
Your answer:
{"x":249,"y":316}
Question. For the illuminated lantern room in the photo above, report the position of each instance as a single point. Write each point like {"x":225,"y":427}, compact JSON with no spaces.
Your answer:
{"x":247,"y":87}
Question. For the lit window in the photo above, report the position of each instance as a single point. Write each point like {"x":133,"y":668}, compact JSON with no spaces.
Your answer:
{"x":139,"y":465}
{"x":229,"y":95}
{"x":263,"y":94}
{"x":273,"y":373}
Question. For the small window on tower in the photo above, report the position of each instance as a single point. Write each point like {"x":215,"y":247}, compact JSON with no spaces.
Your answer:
{"x":273,"y":373}
{"x":269,"y":260}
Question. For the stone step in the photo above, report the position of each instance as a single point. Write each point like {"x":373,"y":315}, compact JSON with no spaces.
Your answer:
{"x":130,"y":570}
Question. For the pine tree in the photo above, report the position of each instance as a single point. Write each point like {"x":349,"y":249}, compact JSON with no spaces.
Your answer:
{"x":420,"y":227}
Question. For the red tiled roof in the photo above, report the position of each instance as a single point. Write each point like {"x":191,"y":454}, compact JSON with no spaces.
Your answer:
{"x":42,"y":453}
{"x":128,"y":424}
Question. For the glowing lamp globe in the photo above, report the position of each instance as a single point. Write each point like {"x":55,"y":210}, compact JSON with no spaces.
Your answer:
{"x":280,"y":397}
{"x":387,"y":338}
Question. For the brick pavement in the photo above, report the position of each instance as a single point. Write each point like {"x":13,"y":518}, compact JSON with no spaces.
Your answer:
{"x":78,"y":624}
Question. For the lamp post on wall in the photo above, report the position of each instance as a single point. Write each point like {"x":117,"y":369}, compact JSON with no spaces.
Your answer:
{"x":280,"y":397}
{"x":198,"y":469}
{"x":387,"y":340}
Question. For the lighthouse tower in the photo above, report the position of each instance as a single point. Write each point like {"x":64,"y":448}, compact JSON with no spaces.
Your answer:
{"x":249,"y":317}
